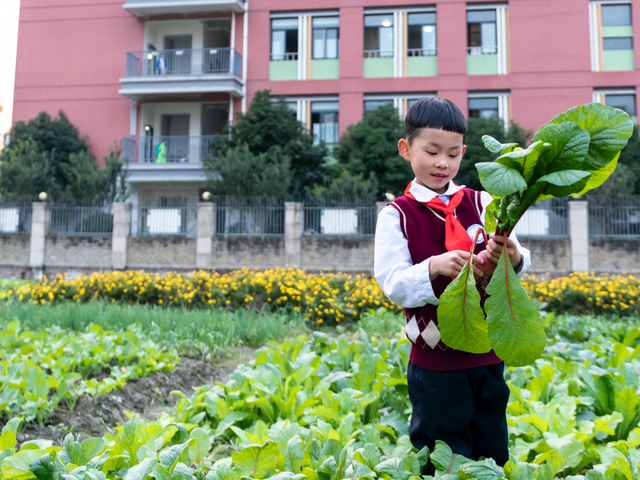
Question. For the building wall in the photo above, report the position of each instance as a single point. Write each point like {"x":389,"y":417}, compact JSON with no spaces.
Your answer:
{"x":161,"y":252}
{"x":14,"y":250}
{"x":78,"y":252}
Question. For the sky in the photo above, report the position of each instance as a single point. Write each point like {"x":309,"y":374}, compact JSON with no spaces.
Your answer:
{"x":9,"y":10}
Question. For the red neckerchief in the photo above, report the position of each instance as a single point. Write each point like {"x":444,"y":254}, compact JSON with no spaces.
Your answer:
{"x":456,"y":236}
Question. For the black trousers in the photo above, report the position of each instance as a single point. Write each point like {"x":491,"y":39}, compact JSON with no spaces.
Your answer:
{"x":466,"y":409}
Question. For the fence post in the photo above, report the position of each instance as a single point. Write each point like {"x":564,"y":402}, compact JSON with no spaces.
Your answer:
{"x":121,"y":232}
{"x":579,"y":235}
{"x":39,"y":220}
{"x":379,"y":207}
{"x":293,"y":218}
{"x":206,"y":229}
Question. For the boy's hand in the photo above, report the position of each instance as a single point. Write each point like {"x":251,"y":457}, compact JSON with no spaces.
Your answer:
{"x":451,"y":263}
{"x":495,"y":246}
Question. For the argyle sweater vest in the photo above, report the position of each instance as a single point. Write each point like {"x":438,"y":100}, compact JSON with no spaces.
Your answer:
{"x":423,"y":227}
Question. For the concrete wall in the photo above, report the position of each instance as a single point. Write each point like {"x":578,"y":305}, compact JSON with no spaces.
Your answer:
{"x":326,"y":252}
{"x":78,"y":252}
{"x":161,"y":253}
{"x":252,"y":252}
{"x":14,"y":250}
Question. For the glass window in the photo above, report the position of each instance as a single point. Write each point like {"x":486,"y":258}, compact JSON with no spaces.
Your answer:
{"x":325,"y":37}
{"x":284,"y":39}
{"x":324,"y":122}
{"x":623,"y":102}
{"x":421,"y":34}
{"x":483,"y":107}
{"x":378,"y":35}
{"x":370,"y":105}
{"x":481,"y":32}
{"x":617,"y":43}
{"x":616,"y":15}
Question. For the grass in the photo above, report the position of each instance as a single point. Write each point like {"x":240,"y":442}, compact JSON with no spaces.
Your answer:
{"x":192,"y":332}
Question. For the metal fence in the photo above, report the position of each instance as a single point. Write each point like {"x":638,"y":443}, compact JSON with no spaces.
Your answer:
{"x":547,"y":218}
{"x":249,"y":216}
{"x":166,"y":215}
{"x":614,"y":216}
{"x":188,"y":61}
{"x":15,"y":214}
{"x":340,"y":216}
{"x":70,"y":217}
{"x":170,"y":149}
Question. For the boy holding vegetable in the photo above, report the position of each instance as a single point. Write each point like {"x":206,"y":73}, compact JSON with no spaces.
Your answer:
{"x":423,"y":239}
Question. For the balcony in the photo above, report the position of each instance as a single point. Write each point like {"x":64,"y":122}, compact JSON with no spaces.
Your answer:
{"x":422,"y":62}
{"x":166,"y":72}
{"x":168,"y":158}
{"x":482,"y":60}
{"x":378,"y":63}
{"x":146,"y":8}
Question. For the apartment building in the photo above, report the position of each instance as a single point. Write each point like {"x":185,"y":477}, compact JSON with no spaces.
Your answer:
{"x":164,"y":76}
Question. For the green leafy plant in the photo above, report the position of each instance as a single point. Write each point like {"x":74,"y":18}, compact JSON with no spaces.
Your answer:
{"x":574,"y":153}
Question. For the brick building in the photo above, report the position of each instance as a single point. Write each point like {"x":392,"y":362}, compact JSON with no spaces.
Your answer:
{"x":163,"y":76}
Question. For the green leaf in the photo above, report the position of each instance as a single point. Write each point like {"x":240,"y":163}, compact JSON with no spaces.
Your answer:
{"x":462,"y":323}
{"x":223,"y":473}
{"x":523,"y":471}
{"x":200,"y":446}
{"x":47,"y":467}
{"x":526,"y":160}
{"x":12,"y":425}
{"x":93,"y":446}
{"x":516,"y":330}
{"x":609,"y":130}
{"x":565,"y":182}
{"x":495,"y":146}
{"x":169,"y":458}
{"x":140,"y":471}
{"x":73,"y":452}
{"x":483,"y":470}
{"x":569,"y":147}
{"x":445,"y":460}
{"x":16,"y":466}
{"x":490,"y":216}
{"x":499,"y":179}
{"x":293,"y":454}
{"x":598,"y":177}
{"x":257,"y":461}
{"x":395,"y":468}
{"x":7,"y":440}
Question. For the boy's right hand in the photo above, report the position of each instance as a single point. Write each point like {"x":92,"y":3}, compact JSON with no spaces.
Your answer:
{"x":451,"y":263}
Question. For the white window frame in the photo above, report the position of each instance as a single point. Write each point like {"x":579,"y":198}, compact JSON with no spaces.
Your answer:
{"x":400,"y":101}
{"x":594,"y":29}
{"x":501,"y":32}
{"x":599,"y":93}
{"x":504,"y":104}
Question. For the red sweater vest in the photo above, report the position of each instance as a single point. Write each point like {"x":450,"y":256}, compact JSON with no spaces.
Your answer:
{"x":423,"y":228}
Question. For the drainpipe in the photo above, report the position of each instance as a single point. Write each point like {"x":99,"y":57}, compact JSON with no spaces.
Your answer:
{"x":245,"y":50}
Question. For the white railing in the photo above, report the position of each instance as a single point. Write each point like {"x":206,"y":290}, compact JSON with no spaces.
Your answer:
{"x":482,"y":50}
{"x":170,"y":149}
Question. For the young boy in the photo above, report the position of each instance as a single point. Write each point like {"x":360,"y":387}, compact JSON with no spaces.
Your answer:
{"x":423,"y":239}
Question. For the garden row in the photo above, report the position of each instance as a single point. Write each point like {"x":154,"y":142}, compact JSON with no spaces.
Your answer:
{"x":321,"y":298}
{"x":321,"y":408}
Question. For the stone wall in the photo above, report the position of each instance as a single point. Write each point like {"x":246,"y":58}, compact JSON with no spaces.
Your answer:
{"x":78,"y":252}
{"x":614,"y":255}
{"x":549,"y":255}
{"x":170,"y":252}
{"x":327,"y":252}
{"x":250,"y":251}
{"x":14,"y":250}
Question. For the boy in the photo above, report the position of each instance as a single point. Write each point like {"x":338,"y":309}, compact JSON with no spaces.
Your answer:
{"x":422,"y":241}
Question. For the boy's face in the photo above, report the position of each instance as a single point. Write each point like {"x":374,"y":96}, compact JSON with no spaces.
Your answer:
{"x":435,"y":157}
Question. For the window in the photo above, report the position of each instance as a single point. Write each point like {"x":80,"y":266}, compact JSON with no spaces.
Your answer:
{"x":624,"y":43}
{"x":370,"y":105}
{"x":325,"y":37}
{"x":324,"y":122}
{"x":626,"y":102}
{"x":284,"y":39}
{"x":616,"y":15}
{"x":482,"y":36}
{"x":378,"y":36}
{"x":421,"y":34}
{"x":484,"y":107}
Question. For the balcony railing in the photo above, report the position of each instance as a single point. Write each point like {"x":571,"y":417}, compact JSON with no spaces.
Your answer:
{"x":170,"y":149}
{"x":491,"y":50}
{"x":378,"y":53}
{"x":283,"y":57}
{"x":203,"y":61}
{"x":421,"y":52}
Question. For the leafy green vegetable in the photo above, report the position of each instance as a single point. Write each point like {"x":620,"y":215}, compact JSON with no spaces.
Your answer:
{"x":572,"y":154}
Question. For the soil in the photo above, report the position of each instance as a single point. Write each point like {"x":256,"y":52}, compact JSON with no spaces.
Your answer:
{"x":95,"y":416}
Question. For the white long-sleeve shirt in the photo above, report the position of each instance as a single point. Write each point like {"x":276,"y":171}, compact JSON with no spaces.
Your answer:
{"x":406,"y":284}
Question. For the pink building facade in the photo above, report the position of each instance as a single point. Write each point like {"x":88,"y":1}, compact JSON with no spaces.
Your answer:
{"x":163,"y":76}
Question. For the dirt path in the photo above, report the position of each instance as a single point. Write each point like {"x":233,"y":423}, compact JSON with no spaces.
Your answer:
{"x":95,"y":416}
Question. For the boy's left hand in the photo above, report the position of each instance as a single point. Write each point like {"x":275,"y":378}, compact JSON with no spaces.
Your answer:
{"x":495,"y":246}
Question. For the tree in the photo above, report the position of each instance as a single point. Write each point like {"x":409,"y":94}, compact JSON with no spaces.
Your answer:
{"x":476,"y":151}
{"x":239,"y":172}
{"x":626,"y":178}
{"x":370,"y":148}
{"x":271,"y":127}
{"x":48,"y":155}
{"x":346,"y":185}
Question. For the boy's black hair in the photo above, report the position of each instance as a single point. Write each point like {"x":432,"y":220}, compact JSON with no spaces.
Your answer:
{"x":434,"y":112}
